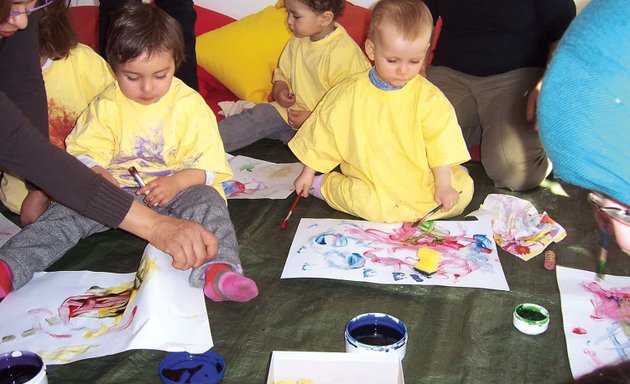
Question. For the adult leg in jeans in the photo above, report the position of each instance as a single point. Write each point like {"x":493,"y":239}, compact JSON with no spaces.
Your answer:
{"x":511,"y":151}
{"x":454,"y":86}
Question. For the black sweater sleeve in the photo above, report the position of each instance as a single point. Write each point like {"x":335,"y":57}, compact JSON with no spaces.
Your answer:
{"x":25,"y":150}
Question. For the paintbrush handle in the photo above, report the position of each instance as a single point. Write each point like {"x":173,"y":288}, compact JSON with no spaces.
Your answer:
{"x":423,"y":218}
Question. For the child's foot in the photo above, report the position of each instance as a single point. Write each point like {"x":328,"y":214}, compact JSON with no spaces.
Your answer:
{"x":222,"y":284}
{"x":5,"y":279}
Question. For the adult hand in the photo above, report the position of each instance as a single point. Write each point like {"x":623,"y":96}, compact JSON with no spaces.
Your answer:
{"x":188,"y":243}
{"x":532,"y":103}
{"x":35,"y":203}
{"x":297,"y":118}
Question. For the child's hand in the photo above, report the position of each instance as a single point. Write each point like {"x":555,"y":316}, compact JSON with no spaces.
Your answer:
{"x":285,"y":98}
{"x":446,"y":195}
{"x":162,"y":190}
{"x":297,"y":118}
{"x":105,"y":173}
{"x":35,"y":203}
{"x":304,"y":181}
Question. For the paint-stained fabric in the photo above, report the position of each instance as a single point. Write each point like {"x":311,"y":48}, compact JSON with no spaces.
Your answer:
{"x":177,"y":132}
{"x":386,"y":143}
{"x":71,"y":83}
{"x":311,"y":68}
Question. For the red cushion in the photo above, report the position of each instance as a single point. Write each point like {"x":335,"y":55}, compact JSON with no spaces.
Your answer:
{"x":84,"y":20}
{"x":207,"y":20}
{"x":356,"y":21}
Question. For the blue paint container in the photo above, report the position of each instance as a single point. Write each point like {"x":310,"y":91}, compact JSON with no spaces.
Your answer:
{"x":376,"y":332}
{"x":22,"y":367}
{"x":184,"y":367}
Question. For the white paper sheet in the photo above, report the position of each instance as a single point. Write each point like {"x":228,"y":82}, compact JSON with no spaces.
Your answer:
{"x":7,"y":229}
{"x":258,"y":179}
{"x":384,"y":254}
{"x":595,"y":313}
{"x":165,"y":313}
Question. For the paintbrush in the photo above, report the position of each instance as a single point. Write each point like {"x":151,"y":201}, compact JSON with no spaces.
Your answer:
{"x":604,"y":241}
{"x":431,"y":213}
{"x":286,"y":219}
{"x":134,"y":172}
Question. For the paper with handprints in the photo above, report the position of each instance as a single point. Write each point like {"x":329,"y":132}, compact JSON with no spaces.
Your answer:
{"x":387,"y":253}
{"x":596,"y":318}
{"x":518,"y":227}
{"x":70,"y":316}
{"x":259,"y":179}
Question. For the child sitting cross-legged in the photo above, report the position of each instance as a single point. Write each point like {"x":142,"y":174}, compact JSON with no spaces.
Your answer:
{"x":153,"y":121}
{"x":394,"y":134}
{"x":316,"y":58}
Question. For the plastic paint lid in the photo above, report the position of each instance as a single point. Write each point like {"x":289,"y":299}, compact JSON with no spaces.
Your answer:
{"x":531,"y":319}
{"x":184,"y":367}
{"x":22,"y":367}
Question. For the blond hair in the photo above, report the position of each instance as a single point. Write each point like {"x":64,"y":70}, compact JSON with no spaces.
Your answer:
{"x":409,"y":17}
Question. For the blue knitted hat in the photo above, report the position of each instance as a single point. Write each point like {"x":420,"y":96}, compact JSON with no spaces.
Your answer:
{"x":584,"y":105}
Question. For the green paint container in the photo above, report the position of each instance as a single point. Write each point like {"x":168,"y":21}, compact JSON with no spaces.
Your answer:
{"x":531,"y":319}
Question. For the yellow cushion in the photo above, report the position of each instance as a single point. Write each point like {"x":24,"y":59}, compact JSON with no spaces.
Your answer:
{"x":242,"y":55}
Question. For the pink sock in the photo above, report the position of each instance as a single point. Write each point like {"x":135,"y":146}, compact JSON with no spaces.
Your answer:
{"x":316,"y":188}
{"x":5,"y":279}
{"x":224,"y":284}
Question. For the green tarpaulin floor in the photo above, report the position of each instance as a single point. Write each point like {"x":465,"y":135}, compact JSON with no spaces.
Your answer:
{"x":456,"y":335}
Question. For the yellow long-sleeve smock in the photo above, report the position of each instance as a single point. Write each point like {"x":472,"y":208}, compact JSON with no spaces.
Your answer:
{"x":311,"y":68}
{"x":386,"y":143}
{"x":71,"y":83}
{"x":177,"y":132}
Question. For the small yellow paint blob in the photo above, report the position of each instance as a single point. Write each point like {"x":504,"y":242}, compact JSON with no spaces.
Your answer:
{"x":428,"y":261}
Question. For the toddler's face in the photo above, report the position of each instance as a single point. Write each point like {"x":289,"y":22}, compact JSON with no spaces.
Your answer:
{"x":302,"y":21}
{"x":397,"y":60}
{"x":148,"y":78}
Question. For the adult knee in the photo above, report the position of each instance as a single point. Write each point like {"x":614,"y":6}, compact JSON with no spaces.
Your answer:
{"x":516,"y":176}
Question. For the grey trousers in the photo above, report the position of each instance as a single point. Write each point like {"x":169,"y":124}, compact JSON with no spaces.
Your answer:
{"x":491,"y":112}
{"x":59,"y":228}
{"x":262,"y":121}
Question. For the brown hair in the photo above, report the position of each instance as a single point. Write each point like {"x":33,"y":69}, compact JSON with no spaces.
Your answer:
{"x":321,"y":6}
{"x":5,"y":9}
{"x":409,"y":17}
{"x":56,"y":35}
{"x":141,"y":28}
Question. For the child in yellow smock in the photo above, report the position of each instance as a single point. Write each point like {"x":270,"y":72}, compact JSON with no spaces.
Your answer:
{"x":316,"y":58}
{"x":393,"y":134}
{"x":73,"y":75}
{"x":154,"y":122}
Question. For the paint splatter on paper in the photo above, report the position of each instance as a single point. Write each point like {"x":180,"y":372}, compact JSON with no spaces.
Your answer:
{"x":258,"y":179}
{"x":518,"y":227}
{"x":70,"y":316}
{"x":596,"y":315}
{"x":387,"y":253}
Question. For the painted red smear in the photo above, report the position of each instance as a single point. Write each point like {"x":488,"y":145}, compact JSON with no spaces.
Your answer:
{"x":579,"y":331}
{"x":60,"y":123}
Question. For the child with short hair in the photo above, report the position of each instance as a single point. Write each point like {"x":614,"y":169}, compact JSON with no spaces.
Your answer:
{"x":316,"y":58}
{"x":393,"y":133}
{"x":73,"y":75}
{"x":152,"y":121}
